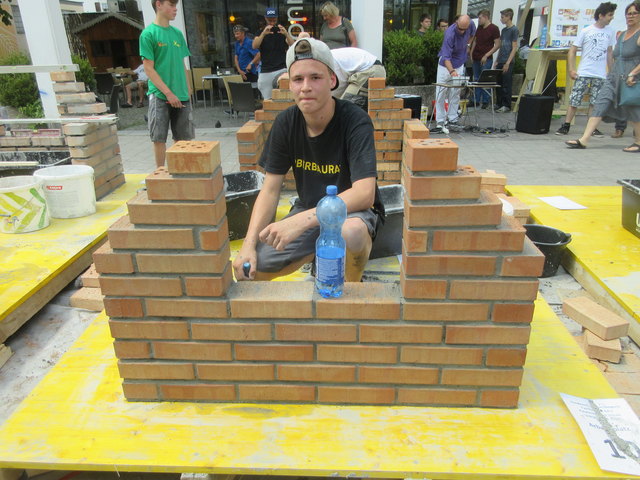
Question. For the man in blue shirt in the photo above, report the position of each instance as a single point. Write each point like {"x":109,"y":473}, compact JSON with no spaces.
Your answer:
{"x":246,"y":58}
{"x":453,"y":54}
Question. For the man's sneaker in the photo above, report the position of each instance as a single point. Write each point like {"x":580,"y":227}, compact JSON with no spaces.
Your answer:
{"x":503,"y":110}
{"x":564,"y":129}
{"x":597,"y":133}
{"x":438,"y":128}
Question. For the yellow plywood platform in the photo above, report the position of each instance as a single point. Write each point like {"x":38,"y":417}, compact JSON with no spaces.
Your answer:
{"x":78,"y":419}
{"x":604,"y":257}
{"x":36,"y":265}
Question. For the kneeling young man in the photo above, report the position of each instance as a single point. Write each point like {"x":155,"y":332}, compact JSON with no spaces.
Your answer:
{"x":325,"y":141}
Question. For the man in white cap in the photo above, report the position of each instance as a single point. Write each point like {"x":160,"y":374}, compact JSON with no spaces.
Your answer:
{"x":326,"y":141}
{"x":273,"y":43}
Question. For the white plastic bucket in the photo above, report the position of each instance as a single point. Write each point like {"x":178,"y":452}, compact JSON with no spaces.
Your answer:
{"x":69,"y":190}
{"x":23,"y":207}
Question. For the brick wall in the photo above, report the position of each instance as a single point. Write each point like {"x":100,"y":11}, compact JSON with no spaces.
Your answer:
{"x":453,"y":332}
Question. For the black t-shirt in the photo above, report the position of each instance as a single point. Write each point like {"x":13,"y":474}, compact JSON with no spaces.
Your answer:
{"x":273,"y":52}
{"x":342,"y":154}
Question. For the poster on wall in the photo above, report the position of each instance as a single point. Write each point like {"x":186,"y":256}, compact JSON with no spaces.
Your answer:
{"x":568,"y":17}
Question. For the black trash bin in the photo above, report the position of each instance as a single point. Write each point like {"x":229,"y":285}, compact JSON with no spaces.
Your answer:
{"x":552,"y":243}
{"x":241,"y":191}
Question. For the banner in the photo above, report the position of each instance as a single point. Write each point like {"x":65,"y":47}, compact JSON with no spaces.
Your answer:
{"x":568,"y":17}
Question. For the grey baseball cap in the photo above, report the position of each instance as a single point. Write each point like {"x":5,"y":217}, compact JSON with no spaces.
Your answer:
{"x":310,"y":48}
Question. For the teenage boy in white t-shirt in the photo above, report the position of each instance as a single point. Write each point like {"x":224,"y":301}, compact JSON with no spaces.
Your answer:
{"x":597,"y":42}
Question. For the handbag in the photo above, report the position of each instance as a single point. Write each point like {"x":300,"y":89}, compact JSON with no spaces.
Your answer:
{"x":629,"y":96}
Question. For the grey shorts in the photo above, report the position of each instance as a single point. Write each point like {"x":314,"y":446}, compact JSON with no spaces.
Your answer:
{"x":581,"y":85}
{"x":161,"y":115}
{"x":271,"y":260}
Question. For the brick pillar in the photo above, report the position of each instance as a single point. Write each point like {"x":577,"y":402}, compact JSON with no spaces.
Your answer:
{"x":466,"y":265}
{"x":250,"y":139}
{"x":72,"y":97}
{"x":165,"y":263}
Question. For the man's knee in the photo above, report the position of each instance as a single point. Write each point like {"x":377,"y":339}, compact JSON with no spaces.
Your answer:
{"x":355,"y":234}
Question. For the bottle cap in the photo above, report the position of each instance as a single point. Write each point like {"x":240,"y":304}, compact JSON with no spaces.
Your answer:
{"x":332,"y":190}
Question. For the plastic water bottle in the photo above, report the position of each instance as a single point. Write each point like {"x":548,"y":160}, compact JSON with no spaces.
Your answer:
{"x":330,"y":246}
{"x":543,"y":36}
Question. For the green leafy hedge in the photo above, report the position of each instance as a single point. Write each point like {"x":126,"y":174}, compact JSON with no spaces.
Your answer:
{"x":85,"y":74}
{"x":20,"y":90}
{"x":410,"y":57}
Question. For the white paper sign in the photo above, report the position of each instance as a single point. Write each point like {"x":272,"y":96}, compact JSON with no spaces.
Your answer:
{"x":562,"y":203}
{"x":568,"y":17}
{"x":611,"y":429}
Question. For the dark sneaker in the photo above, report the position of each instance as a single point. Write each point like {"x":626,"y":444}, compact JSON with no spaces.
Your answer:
{"x":484,"y":106}
{"x":564,"y":129}
{"x":597,"y":133}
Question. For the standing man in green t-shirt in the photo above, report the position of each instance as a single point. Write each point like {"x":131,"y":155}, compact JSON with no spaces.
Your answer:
{"x":163,"y":48}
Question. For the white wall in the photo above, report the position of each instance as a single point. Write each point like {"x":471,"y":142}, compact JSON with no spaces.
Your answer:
{"x":368,"y":17}
{"x":501,"y":5}
{"x":149,"y":15}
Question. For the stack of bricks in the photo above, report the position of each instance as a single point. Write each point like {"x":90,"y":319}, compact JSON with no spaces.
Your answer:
{"x":469,"y":268}
{"x":72,"y":97}
{"x":388,"y":117}
{"x":251,"y":137}
{"x":96,"y":145}
{"x":454,"y":333}
{"x":32,"y":140}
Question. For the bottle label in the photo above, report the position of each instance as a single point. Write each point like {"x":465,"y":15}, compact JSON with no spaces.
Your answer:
{"x":330,"y":270}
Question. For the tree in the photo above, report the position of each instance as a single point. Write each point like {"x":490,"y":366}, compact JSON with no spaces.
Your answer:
{"x":5,"y":16}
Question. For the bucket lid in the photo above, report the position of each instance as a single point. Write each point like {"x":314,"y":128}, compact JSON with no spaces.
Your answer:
{"x":9,"y":184}
{"x":63,"y":171}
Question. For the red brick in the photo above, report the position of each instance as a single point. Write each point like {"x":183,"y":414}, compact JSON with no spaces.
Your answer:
{"x":380,"y":104}
{"x":274,"y":353}
{"x":213,"y":286}
{"x":414,"y":241}
{"x":186,"y":308}
{"x":156,"y":371}
{"x":267,"y":300}
{"x":193,"y":157}
{"x":184,"y":262}
{"x":219,"y":393}
{"x":493,"y":290}
{"x":123,"y":307}
{"x":370,"y":301}
{"x":141,"y":286}
{"x":131,"y":350}
{"x":231,"y":331}
{"x":274,"y":393}
{"x":441,"y":355}
{"x":270,"y":105}
{"x":431,"y":155}
{"x":63,"y":76}
{"x":499,"y":398}
{"x":143,"y":212}
{"x":149,"y":330}
{"x":317,"y":373}
{"x":459,"y":185}
{"x":415,"y":129}
{"x":508,"y":237}
{"x":482,"y":377}
{"x":512,"y":312}
{"x":140,"y":391}
{"x":400,"y":334}
{"x":236,"y":371}
{"x":447,"y":264}
{"x":296,"y":332}
{"x":388,"y":92}
{"x":215,"y":238}
{"x":398,"y":375}
{"x":249,"y":159}
{"x":420,"y":396}
{"x":377,"y":83}
{"x":596,"y":318}
{"x":123,"y":234}
{"x":106,"y":261}
{"x":404,"y":113}
{"x":487,"y":335}
{"x":487,"y":212}
{"x":192,"y":351}
{"x":357,"y":354}
{"x":506,"y":357}
{"x":446,"y":312}
{"x":420,"y":288}
{"x":249,"y":148}
{"x":356,"y":395}
{"x":529,"y":264}
{"x":249,"y":133}
{"x":393,"y":124}
{"x":161,"y":185}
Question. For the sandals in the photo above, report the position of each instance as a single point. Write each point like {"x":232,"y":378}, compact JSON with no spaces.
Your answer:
{"x":617,"y":134}
{"x":575,"y":144}
{"x":635,"y":146}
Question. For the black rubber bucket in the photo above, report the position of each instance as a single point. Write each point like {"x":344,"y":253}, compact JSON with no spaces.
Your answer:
{"x":552,"y":243}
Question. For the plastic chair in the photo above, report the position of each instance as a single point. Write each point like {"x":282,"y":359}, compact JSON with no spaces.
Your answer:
{"x":198,"y":73}
{"x":229,"y":79}
{"x":104,"y":84}
{"x":114,"y":102}
{"x":243,"y":98}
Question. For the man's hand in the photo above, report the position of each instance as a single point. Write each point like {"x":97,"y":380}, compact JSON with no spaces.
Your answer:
{"x":248,"y":69}
{"x":573,"y":74}
{"x":483,"y":60}
{"x":173,"y":100}
{"x":245,"y":255}
{"x":505,"y":67}
{"x":243,"y":75}
{"x":454,"y":73}
{"x":283,"y":30}
{"x":280,"y":234}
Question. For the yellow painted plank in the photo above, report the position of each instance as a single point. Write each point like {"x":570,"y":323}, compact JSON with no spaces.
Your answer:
{"x":31,"y":260}
{"x":77,"y":418}
{"x":599,"y":243}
